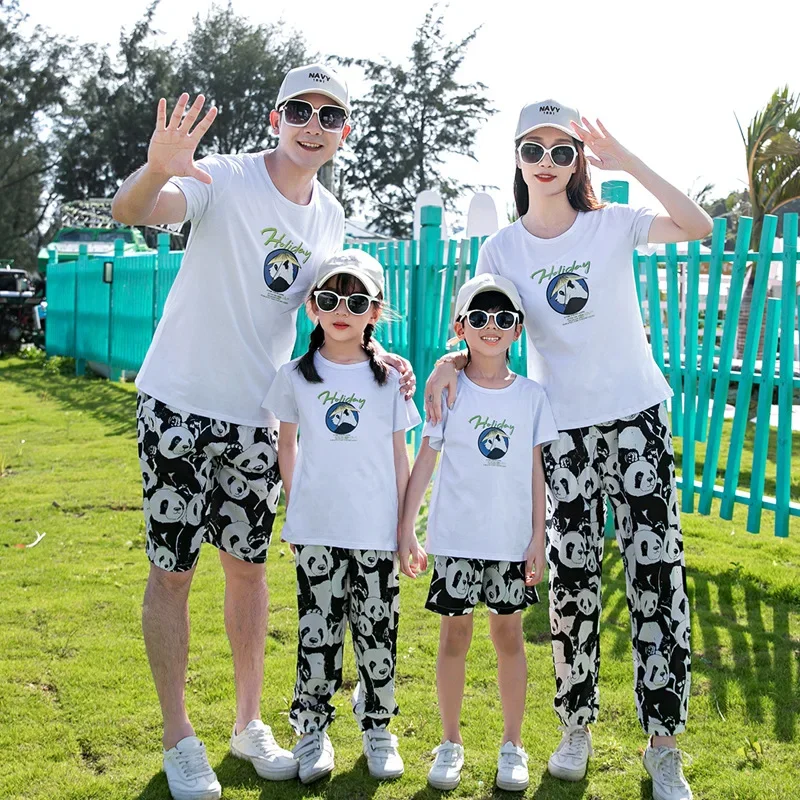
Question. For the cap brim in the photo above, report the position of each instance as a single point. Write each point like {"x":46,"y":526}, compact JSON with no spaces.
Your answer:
{"x":480,"y":290}
{"x":333,"y":97}
{"x":373,"y":288}
{"x":545,"y":125}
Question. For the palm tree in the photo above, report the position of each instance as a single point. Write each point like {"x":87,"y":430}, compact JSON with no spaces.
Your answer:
{"x":772,"y":147}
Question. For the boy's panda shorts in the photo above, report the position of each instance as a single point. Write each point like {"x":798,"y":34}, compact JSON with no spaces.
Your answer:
{"x":205,"y":480}
{"x":459,"y":584}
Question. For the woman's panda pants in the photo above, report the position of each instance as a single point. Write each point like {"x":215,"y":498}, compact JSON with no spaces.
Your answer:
{"x":629,"y":460}
{"x":334,"y":586}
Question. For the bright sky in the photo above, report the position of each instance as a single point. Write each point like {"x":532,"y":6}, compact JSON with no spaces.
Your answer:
{"x":665,"y":78}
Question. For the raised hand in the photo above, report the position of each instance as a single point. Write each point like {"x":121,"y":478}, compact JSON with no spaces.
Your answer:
{"x":172,"y":145}
{"x":608,"y":152}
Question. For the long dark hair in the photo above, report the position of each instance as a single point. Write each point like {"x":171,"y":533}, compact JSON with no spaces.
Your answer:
{"x":342,"y":284}
{"x":491,"y":301}
{"x":580,"y":194}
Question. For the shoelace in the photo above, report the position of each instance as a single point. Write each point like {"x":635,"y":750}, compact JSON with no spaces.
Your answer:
{"x":193,"y":763}
{"x":263,"y":739}
{"x":578,"y":739}
{"x":382,"y":740}
{"x":670,"y":766}
{"x":446,"y":754}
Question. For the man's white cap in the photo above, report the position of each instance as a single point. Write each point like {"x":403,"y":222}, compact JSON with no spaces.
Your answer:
{"x":546,"y":114}
{"x":353,"y":262}
{"x":317,"y":78}
{"x":486,"y":282}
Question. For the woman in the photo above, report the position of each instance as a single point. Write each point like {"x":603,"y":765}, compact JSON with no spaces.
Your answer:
{"x":570,"y":259}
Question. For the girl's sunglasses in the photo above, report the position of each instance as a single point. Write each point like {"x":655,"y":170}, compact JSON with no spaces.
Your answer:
{"x":562,"y":155}
{"x":298,"y":114}
{"x":357,"y":304}
{"x":503,"y":320}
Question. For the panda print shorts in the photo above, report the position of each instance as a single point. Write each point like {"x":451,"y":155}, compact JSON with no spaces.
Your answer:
{"x":459,"y":584}
{"x":205,"y":480}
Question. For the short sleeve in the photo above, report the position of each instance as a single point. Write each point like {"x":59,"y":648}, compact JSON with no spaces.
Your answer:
{"x":406,"y":415}
{"x":544,"y":424}
{"x":435,"y":433}
{"x":485,"y":261}
{"x":200,"y":196}
{"x":281,"y":399}
{"x":634,"y":224}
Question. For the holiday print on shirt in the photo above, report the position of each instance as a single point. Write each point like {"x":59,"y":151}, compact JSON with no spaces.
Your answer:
{"x":342,"y":414}
{"x":282,"y":264}
{"x":567,"y":290}
{"x":494,"y":438}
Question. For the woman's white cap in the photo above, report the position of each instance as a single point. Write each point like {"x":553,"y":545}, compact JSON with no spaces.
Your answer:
{"x":546,"y":114}
{"x":317,"y":78}
{"x":353,"y":262}
{"x":486,"y":282}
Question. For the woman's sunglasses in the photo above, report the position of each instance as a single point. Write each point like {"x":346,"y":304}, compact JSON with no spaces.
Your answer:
{"x":503,"y":320}
{"x":298,"y":114}
{"x":357,"y":304}
{"x":562,"y":155}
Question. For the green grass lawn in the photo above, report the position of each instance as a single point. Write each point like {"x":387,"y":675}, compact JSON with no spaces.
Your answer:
{"x":78,"y":712}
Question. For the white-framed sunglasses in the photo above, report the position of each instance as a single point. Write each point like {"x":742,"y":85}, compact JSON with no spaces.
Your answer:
{"x":503,"y":320}
{"x":298,"y":113}
{"x":562,"y":155}
{"x":357,"y":303}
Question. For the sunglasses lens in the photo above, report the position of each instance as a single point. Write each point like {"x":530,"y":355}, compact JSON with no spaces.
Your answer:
{"x":563,"y":155}
{"x":332,"y":118}
{"x":504,"y":320}
{"x":477,"y":319}
{"x":358,"y":303}
{"x":297,"y":112}
{"x":327,"y":301}
{"x":531,"y":152}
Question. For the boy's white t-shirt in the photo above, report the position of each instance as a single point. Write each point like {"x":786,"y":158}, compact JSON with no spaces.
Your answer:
{"x":344,"y":486}
{"x":229,"y":320}
{"x":587,"y":344}
{"x":482,"y":501}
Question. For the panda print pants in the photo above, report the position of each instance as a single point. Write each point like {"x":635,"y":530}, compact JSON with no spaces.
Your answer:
{"x":629,"y":460}
{"x":336,"y":586}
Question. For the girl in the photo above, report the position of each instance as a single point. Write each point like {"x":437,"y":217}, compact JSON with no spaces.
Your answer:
{"x":343,"y":496}
{"x":486,"y":519}
{"x":570,"y":258}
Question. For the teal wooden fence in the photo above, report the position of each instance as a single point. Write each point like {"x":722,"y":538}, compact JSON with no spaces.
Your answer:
{"x":692,"y":334}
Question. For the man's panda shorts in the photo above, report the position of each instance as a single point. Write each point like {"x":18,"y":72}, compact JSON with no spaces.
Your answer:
{"x":205,"y":480}
{"x":459,"y":584}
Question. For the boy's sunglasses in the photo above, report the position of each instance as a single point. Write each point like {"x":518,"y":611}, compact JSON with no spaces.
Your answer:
{"x":503,"y":320}
{"x":298,"y":114}
{"x":562,"y":155}
{"x":357,"y":304}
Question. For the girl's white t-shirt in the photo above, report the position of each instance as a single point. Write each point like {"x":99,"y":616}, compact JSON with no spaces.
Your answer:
{"x":229,"y":319}
{"x":482,"y":500}
{"x":344,"y":485}
{"x":587,"y":344}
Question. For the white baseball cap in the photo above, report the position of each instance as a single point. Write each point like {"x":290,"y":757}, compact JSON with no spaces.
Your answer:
{"x":546,"y":114}
{"x":317,"y":78}
{"x":353,"y":262}
{"x":486,"y":282}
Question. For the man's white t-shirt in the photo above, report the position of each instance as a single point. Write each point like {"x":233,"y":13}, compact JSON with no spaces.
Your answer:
{"x":229,"y":319}
{"x":482,"y":501}
{"x":344,"y":485}
{"x":587,"y":344}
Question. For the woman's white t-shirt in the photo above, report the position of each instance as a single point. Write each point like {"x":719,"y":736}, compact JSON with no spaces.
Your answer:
{"x":229,"y":319}
{"x":344,"y":485}
{"x":587,"y":344}
{"x":482,"y":500}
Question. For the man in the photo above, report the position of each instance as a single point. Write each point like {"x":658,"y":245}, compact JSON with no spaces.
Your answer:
{"x":261,"y":224}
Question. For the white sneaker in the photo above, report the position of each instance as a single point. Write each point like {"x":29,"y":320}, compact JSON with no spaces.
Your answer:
{"x":383,"y":759}
{"x":512,"y":768}
{"x":571,"y":756}
{"x":257,"y":745}
{"x":446,"y":770}
{"x":314,"y":752}
{"x":665,"y":765}
{"x":189,"y":774}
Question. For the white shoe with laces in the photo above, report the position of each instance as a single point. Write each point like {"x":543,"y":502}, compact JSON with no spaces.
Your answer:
{"x":314,"y":752}
{"x":572,"y":755}
{"x":257,"y":745}
{"x":383,"y":758}
{"x":189,"y":775}
{"x":445,"y":773}
{"x":665,"y":765}
{"x":512,"y":768}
